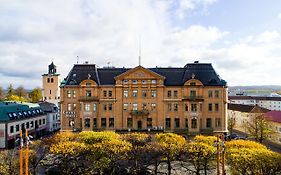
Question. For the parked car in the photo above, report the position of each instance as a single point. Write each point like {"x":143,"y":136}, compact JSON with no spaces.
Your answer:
{"x":234,"y":137}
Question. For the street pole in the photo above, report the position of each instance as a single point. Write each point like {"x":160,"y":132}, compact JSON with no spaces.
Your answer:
{"x":26,"y":152}
{"x":21,"y":146}
{"x":223,"y":156}
{"x":218,"y":156}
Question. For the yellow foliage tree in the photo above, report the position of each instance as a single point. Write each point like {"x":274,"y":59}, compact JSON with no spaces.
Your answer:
{"x":171,"y":144}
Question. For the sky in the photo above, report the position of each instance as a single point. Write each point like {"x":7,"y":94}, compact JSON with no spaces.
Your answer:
{"x":242,"y":39}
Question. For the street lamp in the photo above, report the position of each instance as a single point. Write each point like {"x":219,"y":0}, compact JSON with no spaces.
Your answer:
{"x":21,"y":145}
{"x":219,"y":143}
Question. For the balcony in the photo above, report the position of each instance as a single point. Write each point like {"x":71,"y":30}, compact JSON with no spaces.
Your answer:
{"x":88,"y":98}
{"x":143,"y":112}
{"x":193,"y":98}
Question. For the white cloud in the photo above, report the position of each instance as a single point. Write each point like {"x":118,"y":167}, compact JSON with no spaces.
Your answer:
{"x":268,"y":36}
{"x":100,"y":31}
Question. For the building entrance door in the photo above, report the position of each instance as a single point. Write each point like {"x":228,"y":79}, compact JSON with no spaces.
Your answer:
{"x":139,"y":125}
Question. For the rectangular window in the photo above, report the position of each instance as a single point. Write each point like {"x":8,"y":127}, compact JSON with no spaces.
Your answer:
{"x":74,"y":106}
{"x":31,"y":124}
{"x":149,"y":122}
{"x":186,"y":123}
{"x":40,"y":122}
{"x":135,"y":106}
{"x":110,"y":107}
{"x":125,"y":106}
{"x":87,"y":123}
{"x":50,"y":91}
{"x":169,"y":106}
{"x":11,"y":129}
{"x":175,"y":94}
{"x":218,"y":122}
{"x":95,"y":123}
{"x":193,"y":93}
{"x":105,"y":107}
{"x":175,"y":106}
{"x":69,"y":106}
{"x":48,"y":80}
{"x":153,"y":93}
{"x":74,"y":93}
{"x":143,"y":81}
{"x":194,"y":123}
{"x":129,"y":123}
{"x":193,"y":107}
{"x":217,"y":93}
{"x":144,"y":106}
{"x":94,"y":107}
{"x":186,"y":107}
{"x":125,"y":93}
{"x":177,"y":123}
{"x":68,"y":94}
{"x":210,"y":94}
{"x":144,"y":94}
{"x":104,"y":93}
{"x":103,"y":122}
{"x":17,"y":128}
{"x":109,"y":94}
{"x":217,"y":107}
{"x":153,"y":81}
{"x":168,"y":123}
{"x":210,"y":107}
{"x":135,"y":93}
{"x":208,"y":123}
{"x":111,"y":122}
{"x":44,"y":121}
{"x":153,"y":106}
{"x":87,"y":107}
{"x":88,"y":93}
{"x":169,"y":94}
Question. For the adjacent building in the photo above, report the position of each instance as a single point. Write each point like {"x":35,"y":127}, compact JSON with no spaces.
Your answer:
{"x":17,"y":116}
{"x":51,"y":111}
{"x":271,"y":103}
{"x":51,"y":82}
{"x":192,"y":98}
{"x":275,"y":121}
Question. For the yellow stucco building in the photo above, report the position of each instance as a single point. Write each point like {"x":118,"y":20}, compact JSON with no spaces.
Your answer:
{"x":192,"y":99}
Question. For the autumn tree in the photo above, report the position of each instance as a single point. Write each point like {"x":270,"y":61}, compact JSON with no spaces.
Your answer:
{"x":258,"y":127}
{"x":35,"y":95}
{"x":2,"y":94}
{"x":231,"y":122}
{"x":11,"y":90}
{"x":248,"y":157}
{"x":21,"y":92}
{"x":9,"y":162}
{"x":171,"y":144}
{"x":199,"y":156}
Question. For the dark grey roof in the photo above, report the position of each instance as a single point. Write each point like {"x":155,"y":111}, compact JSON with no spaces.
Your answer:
{"x":173,"y":76}
{"x":48,"y":107}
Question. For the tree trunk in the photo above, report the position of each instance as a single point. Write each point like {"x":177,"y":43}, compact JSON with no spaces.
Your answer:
{"x":169,"y":167}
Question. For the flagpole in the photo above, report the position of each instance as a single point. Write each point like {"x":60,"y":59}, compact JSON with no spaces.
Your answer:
{"x":21,"y":145}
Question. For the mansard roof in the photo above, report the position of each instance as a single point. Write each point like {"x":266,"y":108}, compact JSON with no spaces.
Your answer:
{"x":174,"y":76}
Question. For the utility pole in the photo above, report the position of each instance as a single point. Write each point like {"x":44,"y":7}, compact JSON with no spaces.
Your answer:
{"x":218,"y":155}
{"x":26,"y":152}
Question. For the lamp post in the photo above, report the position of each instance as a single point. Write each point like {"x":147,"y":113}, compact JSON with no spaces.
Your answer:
{"x":27,"y":138}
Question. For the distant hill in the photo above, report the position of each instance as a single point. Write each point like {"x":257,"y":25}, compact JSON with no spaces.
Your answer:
{"x":265,"y":88}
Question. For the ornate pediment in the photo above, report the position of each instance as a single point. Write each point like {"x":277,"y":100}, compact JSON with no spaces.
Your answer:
{"x":139,"y":73}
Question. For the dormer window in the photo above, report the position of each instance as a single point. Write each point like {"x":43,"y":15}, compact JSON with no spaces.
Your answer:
{"x":192,"y":84}
{"x":153,"y":81}
{"x":135,"y":81}
{"x":88,"y":84}
{"x":74,"y":75}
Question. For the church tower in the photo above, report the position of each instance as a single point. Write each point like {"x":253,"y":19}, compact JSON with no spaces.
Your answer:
{"x":51,"y":83}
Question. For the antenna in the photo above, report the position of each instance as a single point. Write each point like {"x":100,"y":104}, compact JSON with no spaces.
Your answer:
{"x":77,"y":59}
{"x":139,"y":50}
